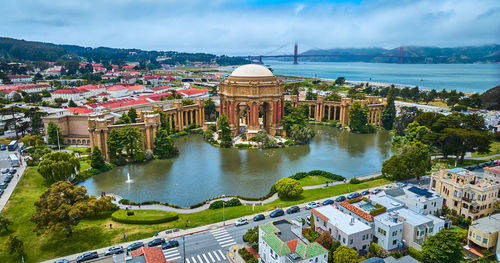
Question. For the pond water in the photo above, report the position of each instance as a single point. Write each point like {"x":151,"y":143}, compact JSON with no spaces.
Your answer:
{"x":202,"y":171}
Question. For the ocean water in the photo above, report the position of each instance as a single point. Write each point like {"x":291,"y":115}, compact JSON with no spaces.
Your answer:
{"x":468,"y":78}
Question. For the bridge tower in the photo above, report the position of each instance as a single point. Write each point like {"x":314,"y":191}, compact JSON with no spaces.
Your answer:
{"x":296,"y":53}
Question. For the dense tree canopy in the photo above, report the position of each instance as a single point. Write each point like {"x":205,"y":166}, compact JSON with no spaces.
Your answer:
{"x":412,"y":161}
{"x":63,"y":205}
{"x":58,"y":166}
{"x":358,"y":117}
{"x":345,"y":254}
{"x":96,"y":159}
{"x":54,"y":132}
{"x":225,"y":131}
{"x":443,"y":247}
{"x":295,"y":116}
{"x":164,"y":145}
{"x":389,"y":114}
{"x":287,"y":187}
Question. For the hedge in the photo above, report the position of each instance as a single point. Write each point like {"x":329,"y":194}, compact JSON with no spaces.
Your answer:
{"x":352,"y":201}
{"x":220,"y":203}
{"x":247,"y":256}
{"x":144,"y":216}
{"x":332,"y":176}
{"x":378,"y":211}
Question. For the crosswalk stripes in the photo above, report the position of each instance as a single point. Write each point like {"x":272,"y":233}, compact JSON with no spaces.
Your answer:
{"x":208,"y":257}
{"x":171,"y":254}
{"x":223,"y":237}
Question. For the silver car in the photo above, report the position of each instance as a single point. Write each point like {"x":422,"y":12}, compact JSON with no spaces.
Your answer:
{"x":113,"y":250}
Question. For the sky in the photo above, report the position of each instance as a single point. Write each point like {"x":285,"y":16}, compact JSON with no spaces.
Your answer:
{"x":238,"y":27}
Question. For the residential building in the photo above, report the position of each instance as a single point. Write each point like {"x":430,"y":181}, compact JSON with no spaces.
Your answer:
{"x":420,"y":200}
{"x":117,"y":91}
{"x":71,"y":94}
{"x":93,"y":89}
{"x":20,"y":78}
{"x":282,"y":242}
{"x":465,"y":192}
{"x":405,"y":259}
{"x":417,"y":227}
{"x":344,"y":228}
{"x":492,"y":174}
{"x":484,"y":234}
{"x":147,"y":255}
{"x":128,"y":79}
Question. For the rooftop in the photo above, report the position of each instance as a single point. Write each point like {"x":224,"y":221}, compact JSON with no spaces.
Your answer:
{"x":150,"y":254}
{"x":412,"y":217}
{"x":252,"y":70}
{"x":345,"y":223}
{"x":489,"y":224}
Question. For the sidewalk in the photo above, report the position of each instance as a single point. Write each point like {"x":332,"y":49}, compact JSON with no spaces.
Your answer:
{"x":207,"y":205}
{"x":12,"y":185}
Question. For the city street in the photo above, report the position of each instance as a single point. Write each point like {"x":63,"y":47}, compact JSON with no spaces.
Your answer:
{"x":5,"y":163}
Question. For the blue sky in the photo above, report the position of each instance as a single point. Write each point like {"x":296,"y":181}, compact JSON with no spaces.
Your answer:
{"x":252,"y":26}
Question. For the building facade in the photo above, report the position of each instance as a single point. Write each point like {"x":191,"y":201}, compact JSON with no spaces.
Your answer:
{"x":466,"y":193}
{"x":483,"y":234}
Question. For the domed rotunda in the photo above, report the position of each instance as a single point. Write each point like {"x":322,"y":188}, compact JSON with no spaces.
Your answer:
{"x":252,"y":98}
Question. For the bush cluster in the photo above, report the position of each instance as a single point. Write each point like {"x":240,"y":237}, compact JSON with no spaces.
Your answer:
{"x":378,"y":210}
{"x":352,"y":201}
{"x":332,"y":176}
{"x":219,"y":203}
{"x":247,"y":256}
{"x":354,"y":181}
{"x":144,"y":217}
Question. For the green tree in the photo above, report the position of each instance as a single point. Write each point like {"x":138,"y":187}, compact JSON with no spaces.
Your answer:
{"x":340,"y":81}
{"x":295,"y":91}
{"x":335,"y":245}
{"x":45,"y":93}
{"x":4,"y":222}
{"x":96,"y":159}
{"x":63,"y":205}
{"x":16,"y":246}
{"x":443,"y":247}
{"x":252,"y":235}
{"x":325,"y":240}
{"x":164,"y":144}
{"x":115,"y":144}
{"x":406,"y":116}
{"x":288,"y":187}
{"x":301,"y":134}
{"x":358,"y":116}
{"x":72,"y":104}
{"x":32,"y":140}
{"x":58,"y":166}
{"x":210,"y":109}
{"x":296,"y":116}
{"x":223,"y":125}
{"x":345,"y":254}
{"x":36,"y":122}
{"x":132,"y":114}
{"x":265,"y":140}
{"x":54,"y":132}
{"x":310,"y":95}
{"x":333,"y":97}
{"x":377,"y":251}
{"x":389,"y":114}
{"x":131,"y":138}
{"x":124,"y":119}
{"x":413,"y":161}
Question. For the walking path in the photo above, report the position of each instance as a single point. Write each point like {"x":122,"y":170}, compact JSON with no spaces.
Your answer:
{"x":207,"y":205}
{"x":10,"y":188}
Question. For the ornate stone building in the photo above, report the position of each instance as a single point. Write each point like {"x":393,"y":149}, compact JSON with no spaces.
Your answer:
{"x":321,"y":110}
{"x":252,"y":90}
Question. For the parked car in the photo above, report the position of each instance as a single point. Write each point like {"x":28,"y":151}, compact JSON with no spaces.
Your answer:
{"x":241,"y":221}
{"x":170,"y":244}
{"x":3,"y":185}
{"x":87,"y":256}
{"x":259,"y":217}
{"x":156,"y":242}
{"x":365,"y":192}
{"x":293,"y":209}
{"x":5,"y":170}
{"x":61,"y":261}
{"x":353,"y":195}
{"x":388,"y":186}
{"x":312,"y":204}
{"x":13,"y":170}
{"x":1,"y":192}
{"x":277,"y":213}
{"x":135,"y":246}
{"x":340,"y":199}
{"x":2,"y":147}
{"x":328,"y":202}
{"x":8,"y":178}
{"x":377,"y":190}
{"x":113,"y":250}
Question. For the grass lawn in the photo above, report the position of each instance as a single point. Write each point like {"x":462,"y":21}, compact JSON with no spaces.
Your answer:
{"x":81,"y":150}
{"x":494,"y":149}
{"x":95,"y":233}
{"x":313,"y":180}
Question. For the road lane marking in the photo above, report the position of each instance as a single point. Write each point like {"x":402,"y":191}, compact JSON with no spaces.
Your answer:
{"x":205,"y":257}
{"x":210,"y":255}
{"x":218,"y":230}
{"x":175,"y":258}
{"x":192,"y":259}
{"x":171,"y":252}
{"x":223,"y":238}
{"x":187,"y":260}
{"x":226,"y":241}
{"x":220,"y":234}
{"x":217,"y":256}
{"x":230,"y":244}
{"x":199,"y":258}
{"x":222,"y":254}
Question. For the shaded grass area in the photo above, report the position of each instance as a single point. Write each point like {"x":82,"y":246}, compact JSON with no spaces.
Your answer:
{"x":494,"y":149}
{"x":96,"y":233}
{"x":81,"y":150}
{"x":313,"y":180}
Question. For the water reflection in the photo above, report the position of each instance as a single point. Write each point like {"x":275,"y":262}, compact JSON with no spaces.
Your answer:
{"x":202,"y":171}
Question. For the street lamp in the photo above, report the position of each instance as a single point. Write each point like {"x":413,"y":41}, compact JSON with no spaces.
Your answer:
{"x":223,"y":211}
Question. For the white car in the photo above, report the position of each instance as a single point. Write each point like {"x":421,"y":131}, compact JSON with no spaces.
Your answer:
{"x":388,"y":186}
{"x":241,"y":221}
{"x":312,"y":205}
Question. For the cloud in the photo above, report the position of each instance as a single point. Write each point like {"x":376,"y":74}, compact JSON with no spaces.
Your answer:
{"x":252,"y":27}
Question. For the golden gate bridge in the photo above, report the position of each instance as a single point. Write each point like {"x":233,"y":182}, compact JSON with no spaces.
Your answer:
{"x":296,"y":55}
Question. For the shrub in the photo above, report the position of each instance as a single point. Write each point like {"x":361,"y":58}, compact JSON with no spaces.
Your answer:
{"x":139,"y":157}
{"x":247,"y":256}
{"x":212,"y":127}
{"x":144,"y":216}
{"x":378,"y":211}
{"x":208,"y":134}
{"x":354,"y":181}
{"x":242,"y":145}
{"x":310,"y":234}
{"x":352,"y":201}
{"x":414,"y":253}
{"x":299,"y":175}
{"x":219,"y":203}
{"x":130,"y":213}
{"x":287,"y":187}
{"x":124,"y":201}
{"x":326,"y":174}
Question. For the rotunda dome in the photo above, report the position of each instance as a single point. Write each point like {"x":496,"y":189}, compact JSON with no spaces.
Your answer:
{"x":251,"y":71}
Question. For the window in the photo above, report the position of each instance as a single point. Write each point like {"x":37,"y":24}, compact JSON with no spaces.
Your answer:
{"x":485,"y":240}
{"x":425,"y":206}
{"x":478,"y":238}
{"x":394,"y":233}
{"x":343,"y":240}
{"x":338,"y":238}
{"x":394,"y":242}
{"x":431,"y":229}
{"x":363,"y":237}
{"x":474,"y":235}
{"x":364,"y":246}
{"x":350,"y":241}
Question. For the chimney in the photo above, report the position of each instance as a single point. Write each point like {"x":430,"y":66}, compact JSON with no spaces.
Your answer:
{"x":352,"y":221}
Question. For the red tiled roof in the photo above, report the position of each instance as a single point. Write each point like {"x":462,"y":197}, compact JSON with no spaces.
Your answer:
{"x":155,"y":97}
{"x":495,"y":169}
{"x":161,"y":88}
{"x":136,"y":87}
{"x":128,"y":67}
{"x":292,"y":244}
{"x":69,"y":91}
{"x":80,"y":110}
{"x":192,"y":91}
{"x":103,"y":94}
{"x":116,"y":87}
{"x":17,"y":76}
{"x":357,"y":211}
{"x":151,"y":254}
{"x":128,"y":77}
{"x":90,"y":86}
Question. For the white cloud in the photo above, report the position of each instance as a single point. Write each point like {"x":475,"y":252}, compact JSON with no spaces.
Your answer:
{"x":226,"y":26}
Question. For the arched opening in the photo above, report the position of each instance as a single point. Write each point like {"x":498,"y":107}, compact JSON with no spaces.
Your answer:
{"x":265,"y":111}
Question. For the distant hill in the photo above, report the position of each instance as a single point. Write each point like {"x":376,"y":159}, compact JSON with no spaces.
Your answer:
{"x":411,"y":54}
{"x":15,"y":49}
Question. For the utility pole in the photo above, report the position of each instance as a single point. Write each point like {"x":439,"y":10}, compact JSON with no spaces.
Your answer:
{"x":184,"y":249}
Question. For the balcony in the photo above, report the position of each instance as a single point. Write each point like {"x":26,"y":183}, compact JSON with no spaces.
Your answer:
{"x":466,"y":199}
{"x":474,"y":211}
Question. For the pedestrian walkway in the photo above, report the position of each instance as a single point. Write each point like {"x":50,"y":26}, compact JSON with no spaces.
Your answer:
{"x":172,"y":254}
{"x":12,"y":185}
{"x":207,"y":257}
{"x":223,"y":237}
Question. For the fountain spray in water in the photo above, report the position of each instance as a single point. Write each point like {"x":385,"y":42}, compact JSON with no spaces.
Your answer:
{"x":128,"y":178}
